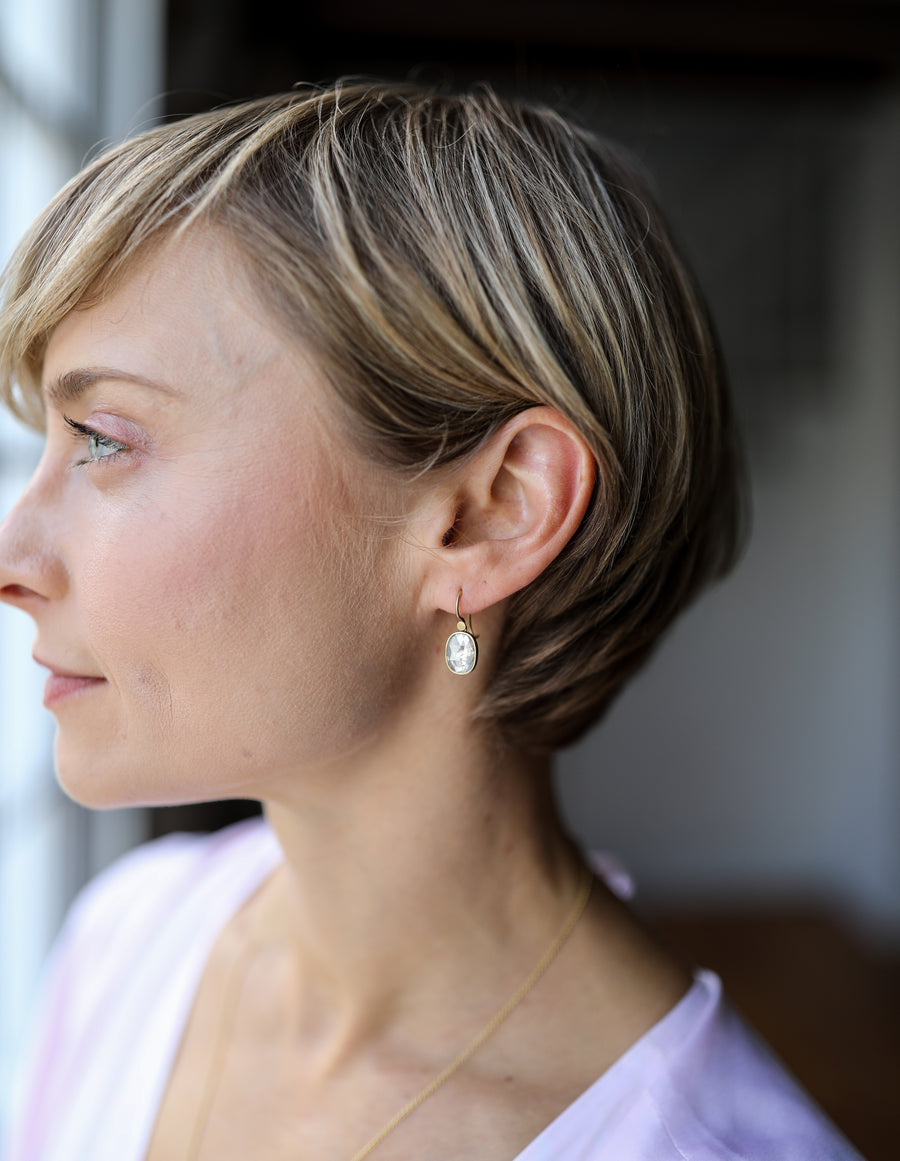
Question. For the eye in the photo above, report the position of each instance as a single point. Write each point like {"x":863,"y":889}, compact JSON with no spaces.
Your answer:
{"x":99,"y":446}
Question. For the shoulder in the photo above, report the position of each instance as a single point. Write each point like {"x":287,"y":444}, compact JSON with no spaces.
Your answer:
{"x":158,"y":886}
{"x":164,"y":871}
{"x":699,"y":1086}
{"x":719,"y":1093}
{"x":120,"y":980}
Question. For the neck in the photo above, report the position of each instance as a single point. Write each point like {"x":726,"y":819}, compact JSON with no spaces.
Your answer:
{"x":415,"y":888}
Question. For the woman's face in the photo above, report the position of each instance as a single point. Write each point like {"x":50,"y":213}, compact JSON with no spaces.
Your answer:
{"x":193,"y":548}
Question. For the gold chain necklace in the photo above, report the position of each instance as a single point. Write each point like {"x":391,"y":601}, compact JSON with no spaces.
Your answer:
{"x":236,"y":979}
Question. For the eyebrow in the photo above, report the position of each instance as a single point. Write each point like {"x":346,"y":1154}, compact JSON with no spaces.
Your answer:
{"x":71,"y":385}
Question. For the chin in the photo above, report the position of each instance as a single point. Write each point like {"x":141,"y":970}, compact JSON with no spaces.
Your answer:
{"x":106,"y":781}
{"x":98,"y":781}
{"x":90,"y":787}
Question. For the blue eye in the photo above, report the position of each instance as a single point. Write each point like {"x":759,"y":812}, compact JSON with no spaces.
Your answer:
{"x":99,"y":446}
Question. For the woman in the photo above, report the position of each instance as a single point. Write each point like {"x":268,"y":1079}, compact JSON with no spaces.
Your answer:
{"x":385,"y":435}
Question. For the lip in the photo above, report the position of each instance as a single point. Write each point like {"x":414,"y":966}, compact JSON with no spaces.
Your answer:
{"x":64,"y":683}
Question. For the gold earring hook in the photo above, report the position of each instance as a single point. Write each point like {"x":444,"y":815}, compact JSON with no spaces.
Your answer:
{"x":460,"y":619}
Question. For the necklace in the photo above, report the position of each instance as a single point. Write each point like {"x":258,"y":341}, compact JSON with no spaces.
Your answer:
{"x":236,"y":979}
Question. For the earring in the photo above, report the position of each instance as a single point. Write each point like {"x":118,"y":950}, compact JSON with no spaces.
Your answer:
{"x":461,"y":652}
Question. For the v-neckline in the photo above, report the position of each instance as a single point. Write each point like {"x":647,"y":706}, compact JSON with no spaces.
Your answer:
{"x":604,"y":1097}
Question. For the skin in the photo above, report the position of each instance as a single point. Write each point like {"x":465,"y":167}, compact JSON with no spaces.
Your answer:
{"x":217,"y":569}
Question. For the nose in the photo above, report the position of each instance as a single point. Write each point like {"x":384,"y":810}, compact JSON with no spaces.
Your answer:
{"x":31,"y":570}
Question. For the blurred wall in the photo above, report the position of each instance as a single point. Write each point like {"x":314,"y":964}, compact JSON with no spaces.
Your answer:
{"x":758,"y":757}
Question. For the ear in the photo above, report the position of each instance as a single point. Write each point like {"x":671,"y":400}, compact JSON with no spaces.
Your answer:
{"x":514,"y":506}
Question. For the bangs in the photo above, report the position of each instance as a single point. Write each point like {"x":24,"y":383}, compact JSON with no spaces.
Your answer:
{"x":81,"y":246}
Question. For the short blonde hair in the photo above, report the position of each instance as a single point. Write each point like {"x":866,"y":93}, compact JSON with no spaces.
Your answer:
{"x":451,"y":260}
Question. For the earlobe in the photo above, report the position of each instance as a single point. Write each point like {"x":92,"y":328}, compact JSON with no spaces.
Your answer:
{"x":516,"y":505}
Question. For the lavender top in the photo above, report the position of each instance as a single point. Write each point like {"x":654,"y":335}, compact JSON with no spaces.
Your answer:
{"x":699,"y":1086}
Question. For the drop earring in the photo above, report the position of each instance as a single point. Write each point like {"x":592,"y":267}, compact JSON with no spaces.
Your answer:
{"x":461,"y":652}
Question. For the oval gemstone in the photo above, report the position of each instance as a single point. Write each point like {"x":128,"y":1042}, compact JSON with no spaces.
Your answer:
{"x":461,"y":652}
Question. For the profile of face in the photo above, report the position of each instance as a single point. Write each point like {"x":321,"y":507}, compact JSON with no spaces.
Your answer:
{"x":192,"y":551}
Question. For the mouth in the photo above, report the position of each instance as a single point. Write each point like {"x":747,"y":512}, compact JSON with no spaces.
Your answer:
{"x":63,"y":683}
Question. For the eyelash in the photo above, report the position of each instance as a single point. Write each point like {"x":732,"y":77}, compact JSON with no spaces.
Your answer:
{"x":94,"y":438}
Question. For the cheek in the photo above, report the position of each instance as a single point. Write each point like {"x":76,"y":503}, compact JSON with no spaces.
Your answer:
{"x":252,"y":625}
{"x":185,"y":584}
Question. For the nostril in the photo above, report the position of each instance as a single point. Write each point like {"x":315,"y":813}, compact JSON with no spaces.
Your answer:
{"x":15,"y":593}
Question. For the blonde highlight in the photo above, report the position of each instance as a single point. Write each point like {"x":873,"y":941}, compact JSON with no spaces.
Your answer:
{"x":451,"y":260}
